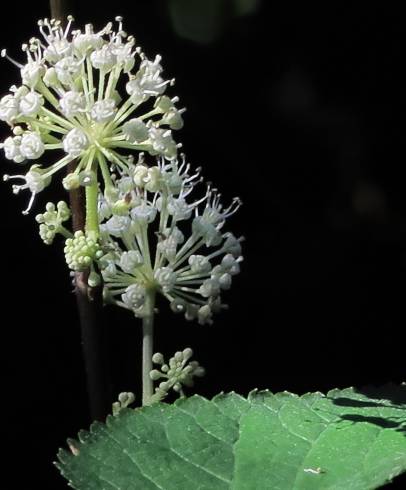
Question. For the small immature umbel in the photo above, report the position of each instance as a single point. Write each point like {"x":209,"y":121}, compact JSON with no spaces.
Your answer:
{"x":179,"y":372}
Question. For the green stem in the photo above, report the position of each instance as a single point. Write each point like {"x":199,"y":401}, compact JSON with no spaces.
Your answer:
{"x":147,"y":347}
{"x":102,"y":74}
{"x":108,"y":183}
{"x":90,"y":78}
{"x":64,"y":232}
{"x":92,"y":219}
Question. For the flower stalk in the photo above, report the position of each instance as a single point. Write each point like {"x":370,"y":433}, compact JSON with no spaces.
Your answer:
{"x":92,"y":217}
{"x":148,"y":346}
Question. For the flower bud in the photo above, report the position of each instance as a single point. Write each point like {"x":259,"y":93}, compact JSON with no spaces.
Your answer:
{"x":71,"y":181}
{"x":158,"y":358}
{"x":87,"y":178}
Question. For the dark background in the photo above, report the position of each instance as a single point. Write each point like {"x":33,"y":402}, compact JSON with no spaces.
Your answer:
{"x":300,"y":112}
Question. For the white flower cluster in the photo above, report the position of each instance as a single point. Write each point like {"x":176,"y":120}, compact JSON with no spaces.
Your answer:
{"x":69,"y":101}
{"x":149,"y":244}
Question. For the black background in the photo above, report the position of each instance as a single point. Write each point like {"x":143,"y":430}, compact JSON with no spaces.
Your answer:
{"x":300,"y":112}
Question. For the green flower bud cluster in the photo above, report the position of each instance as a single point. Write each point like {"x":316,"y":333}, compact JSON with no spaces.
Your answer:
{"x":81,"y":251}
{"x":178,"y":372}
{"x":51,"y":221}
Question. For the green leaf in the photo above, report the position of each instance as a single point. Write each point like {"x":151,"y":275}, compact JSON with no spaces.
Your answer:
{"x":345,"y":440}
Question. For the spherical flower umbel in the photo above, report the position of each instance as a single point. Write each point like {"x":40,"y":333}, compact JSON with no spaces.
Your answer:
{"x":68,"y":103}
{"x":162,"y":239}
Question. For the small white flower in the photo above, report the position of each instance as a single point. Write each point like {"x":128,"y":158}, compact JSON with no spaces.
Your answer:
{"x":35,"y":180}
{"x":12,"y":149}
{"x":117,"y":225}
{"x":205,"y":315}
{"x":50,"y":78}
{"x":230,"y":264}
{"x":148,"y":178}
{"x":31,"y":146}
{"x":210,"y":287}
{"x":225,"y":281}
{"x":130,"y":261}
{"x":232,"y":245}
{"x":103,"y":59}
{"x":176,"y":234}
{"x":59,"y":48}
{"x":75,"y":142}
{"x":162,"y":142}
{"x":31,"y":103}
{"x":87,"y":41}
{"x":125,"y":184}
{"x":199,"y":264}
{"x":109,"y":272}
{"x":72,"y":103}
{"x":207,"y":231}
{"x":8,"y":108}
{"x":152,"y":85}
{"x":165,"y":104}
{"x":166,"y":278}
{"x":135,"y":131}
{"x":136,"y":92}
{"x":32,"y":72}
{"x":139,"y":175}
{"x":67,"y":70}
{"x":173,"y":118}
{"x":168,"y":247}
{"x":153,"y":179}
{"x":134,"y":297}
{"x":179,"y":209}
{"x":125,"y":56}
{"x":149,"y":77}
{"x":103,"y":110}
{"x":143,"y":214}
{"x":150,"y":68}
